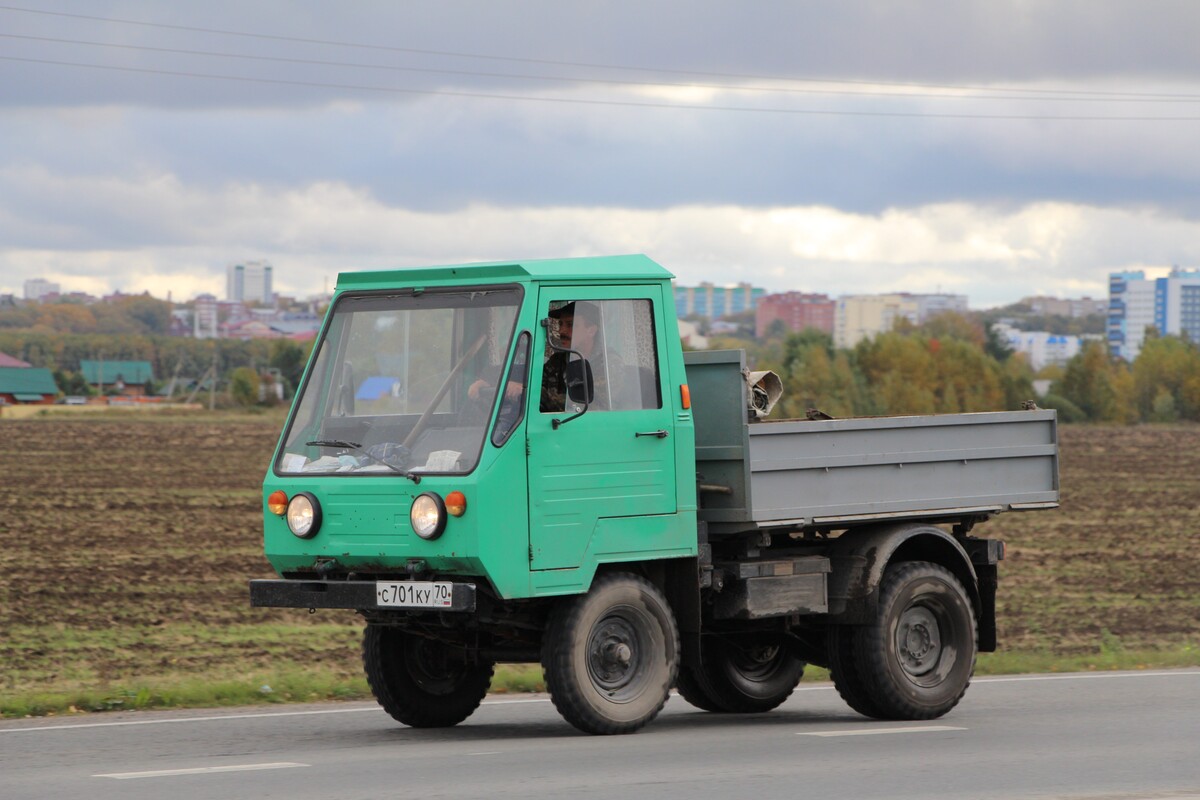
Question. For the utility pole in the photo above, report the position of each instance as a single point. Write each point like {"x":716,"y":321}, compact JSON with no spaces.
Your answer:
{"x":212,"y":387}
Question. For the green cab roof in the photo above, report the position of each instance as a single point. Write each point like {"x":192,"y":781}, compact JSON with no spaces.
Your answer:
{"x":599,"y":268}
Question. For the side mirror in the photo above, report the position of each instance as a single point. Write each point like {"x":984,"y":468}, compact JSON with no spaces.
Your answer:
{"x":581,"y":388}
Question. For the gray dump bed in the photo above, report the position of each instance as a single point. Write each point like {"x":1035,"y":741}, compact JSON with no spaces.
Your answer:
{"x":841,"y":472}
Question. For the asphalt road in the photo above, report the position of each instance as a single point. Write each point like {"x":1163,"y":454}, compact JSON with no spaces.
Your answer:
{"x":1097,"y":735}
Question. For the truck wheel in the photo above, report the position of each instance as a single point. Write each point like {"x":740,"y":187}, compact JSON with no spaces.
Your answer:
{"x":692,"y":688}
{"x":917,"y":657}
{"x":842,"y":669}
{"x":611,"y":656}
{"x":746,"y":676}
{"x":421,"y":682}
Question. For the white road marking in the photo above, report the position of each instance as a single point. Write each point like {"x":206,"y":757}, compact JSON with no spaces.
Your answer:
{"x":486,"y":753}
{"x":219,"y":717}
{"x":878,"y":731}
{"x":377,"y":710}
{"x":166,"y":773}
{"x":1085,"y":676}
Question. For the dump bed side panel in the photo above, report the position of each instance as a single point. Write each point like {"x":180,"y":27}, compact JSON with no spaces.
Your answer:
{"x":828,"y":469}
{"x":825,"y":472}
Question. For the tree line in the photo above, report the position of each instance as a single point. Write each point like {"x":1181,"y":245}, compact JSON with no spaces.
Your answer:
{"x":956,"y":363}
{"x":953,"y":363}
{"x":170,"y":357}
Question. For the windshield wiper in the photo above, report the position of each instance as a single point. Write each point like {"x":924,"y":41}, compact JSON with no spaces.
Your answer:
{"x":341,"y":443}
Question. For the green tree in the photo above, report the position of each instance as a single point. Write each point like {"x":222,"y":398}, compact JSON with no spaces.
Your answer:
{"x":1164,"y":373}
{"x":1098,"y":385}
{"x":243,"y":386}
{"x":289,"y":358}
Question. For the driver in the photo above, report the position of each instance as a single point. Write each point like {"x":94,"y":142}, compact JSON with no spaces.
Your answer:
{"x":575,"y":332}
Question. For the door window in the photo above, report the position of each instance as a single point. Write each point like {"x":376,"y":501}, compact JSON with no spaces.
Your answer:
{"x":616,"y":338}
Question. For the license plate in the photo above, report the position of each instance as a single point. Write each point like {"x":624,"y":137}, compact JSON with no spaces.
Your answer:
{"x":414,"y":594}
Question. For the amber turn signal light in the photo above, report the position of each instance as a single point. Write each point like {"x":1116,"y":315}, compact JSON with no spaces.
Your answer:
{"x":456,"y":504}
{"x":685,"y":395}
{"x":277,"y":502}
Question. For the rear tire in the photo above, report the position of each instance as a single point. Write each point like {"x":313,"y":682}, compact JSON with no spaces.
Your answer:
{"x":611,"y":656}
{"x":746,"y":675}
{"x":422,"y":682}
{"x":915,"y":660}
{"x":692,"y":689}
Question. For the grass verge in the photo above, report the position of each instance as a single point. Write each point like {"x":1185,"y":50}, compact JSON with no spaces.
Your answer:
{"x":303,"y":686}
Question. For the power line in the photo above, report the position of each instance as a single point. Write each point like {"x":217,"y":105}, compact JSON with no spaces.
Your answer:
{"x":584,"y":64}
{"x":592,"y":102}
{"x":1182,"y":98}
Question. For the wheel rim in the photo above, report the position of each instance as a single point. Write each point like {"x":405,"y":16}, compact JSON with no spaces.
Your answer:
{"x":756,"y":664}
{"x":433,"y":668}
{"x":919,"y":644}
{"x":616,"y":655}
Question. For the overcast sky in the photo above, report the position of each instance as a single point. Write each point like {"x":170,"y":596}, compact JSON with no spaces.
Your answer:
{"x":996,"y":149}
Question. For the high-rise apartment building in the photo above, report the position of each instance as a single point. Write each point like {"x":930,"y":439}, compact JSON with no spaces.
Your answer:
{"x":1170,"y":305}
{"x":249,"y":283}
{"x":796,"y":310}
{"x":709,"y":300}
{"x":37,"y":288}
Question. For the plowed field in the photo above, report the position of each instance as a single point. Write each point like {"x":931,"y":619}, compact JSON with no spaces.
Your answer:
{"x":126,"y":545}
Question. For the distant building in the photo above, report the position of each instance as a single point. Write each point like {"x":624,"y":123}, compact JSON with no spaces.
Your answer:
{"x":1171,"y":305}
{"x":711,"y":301}
{"x":39,"y":288}
{"x":128,"y":378}
{"x":26,"y":385}
{"x":858,"y":317}
{"x":1041,"y":348}
{"x":689,"y":334}
{"x":206,"y":317}
{"x":9,"y":361}
{"x":1068,"y":307}
{"x":796,"y":310}
{"x":250,"y":283}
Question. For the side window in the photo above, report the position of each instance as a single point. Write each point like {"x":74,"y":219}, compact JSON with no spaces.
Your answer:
{"x":512,"y":404}
{"x":617,"y":338}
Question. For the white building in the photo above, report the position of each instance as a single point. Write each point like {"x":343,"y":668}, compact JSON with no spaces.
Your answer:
{"x":1171,"y":305}
{"x":250,"y":283}
{"x":205,"y":317}
{"x":37,"y":288}
{"x":1040,"y":347}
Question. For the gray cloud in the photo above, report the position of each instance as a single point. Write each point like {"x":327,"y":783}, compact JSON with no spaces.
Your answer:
{"x":149,"y":162}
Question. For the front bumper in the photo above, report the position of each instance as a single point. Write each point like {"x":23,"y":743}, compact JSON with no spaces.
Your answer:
{"x":343,"y":594}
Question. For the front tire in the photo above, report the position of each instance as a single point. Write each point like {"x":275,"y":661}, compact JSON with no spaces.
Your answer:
{"x":916,"y":659}
{"x":422,"y":682}
{"x":611,"y":656}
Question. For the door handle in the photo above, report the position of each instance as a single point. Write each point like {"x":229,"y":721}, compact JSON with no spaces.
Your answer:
{"x":660,"y":434}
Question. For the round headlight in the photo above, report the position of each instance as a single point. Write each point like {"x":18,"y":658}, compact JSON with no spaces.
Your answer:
{"x":428,"y":515}
{"x":304,"y":515}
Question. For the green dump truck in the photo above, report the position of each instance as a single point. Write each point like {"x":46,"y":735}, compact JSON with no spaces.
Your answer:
{"x":517,"y":462}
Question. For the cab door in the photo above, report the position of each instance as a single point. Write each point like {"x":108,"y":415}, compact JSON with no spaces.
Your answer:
{"x":615,"y":457}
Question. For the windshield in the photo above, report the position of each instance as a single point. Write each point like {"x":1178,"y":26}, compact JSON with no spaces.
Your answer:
{"x":402,"y":384}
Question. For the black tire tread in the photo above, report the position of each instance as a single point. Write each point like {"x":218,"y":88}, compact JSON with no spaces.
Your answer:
{"x":405,"y":701}
{"x":844,"y":672}
{"x":692,"y":688}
